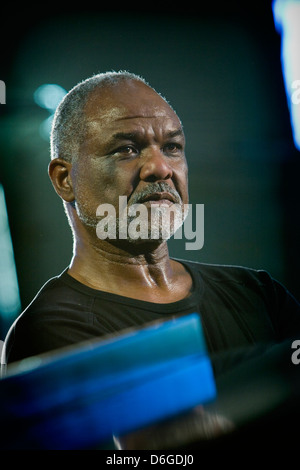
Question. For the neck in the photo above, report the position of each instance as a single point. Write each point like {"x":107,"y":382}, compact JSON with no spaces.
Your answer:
{"x":103,"y":264}
{"x":140,"y":271}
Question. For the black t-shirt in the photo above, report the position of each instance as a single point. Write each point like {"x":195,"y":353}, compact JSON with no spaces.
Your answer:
{"x":238,"y":307}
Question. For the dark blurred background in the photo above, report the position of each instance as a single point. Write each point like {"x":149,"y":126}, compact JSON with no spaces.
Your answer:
{"x":219,"y":67}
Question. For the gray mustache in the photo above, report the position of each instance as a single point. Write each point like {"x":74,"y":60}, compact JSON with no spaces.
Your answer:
{"x":154,"y":188}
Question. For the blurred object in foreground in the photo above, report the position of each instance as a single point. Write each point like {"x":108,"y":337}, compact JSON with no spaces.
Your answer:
{"x":81,"y":397}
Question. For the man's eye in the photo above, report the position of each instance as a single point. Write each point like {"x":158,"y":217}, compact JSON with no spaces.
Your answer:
{"x":173,"y":148}
{"x":127,"y":150}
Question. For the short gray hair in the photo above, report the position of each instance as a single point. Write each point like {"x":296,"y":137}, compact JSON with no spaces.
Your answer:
{"x":68,"y":124}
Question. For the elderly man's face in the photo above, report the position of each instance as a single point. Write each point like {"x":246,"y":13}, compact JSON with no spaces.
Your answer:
{"x":134,"y":147}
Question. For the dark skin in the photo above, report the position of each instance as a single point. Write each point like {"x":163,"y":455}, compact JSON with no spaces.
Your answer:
{"x":133,"y":138}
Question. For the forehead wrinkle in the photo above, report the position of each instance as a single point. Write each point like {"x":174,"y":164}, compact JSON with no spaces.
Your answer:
{"x":125,"y":118}
{"x":110,"y":119}
{"x":136,"y":134}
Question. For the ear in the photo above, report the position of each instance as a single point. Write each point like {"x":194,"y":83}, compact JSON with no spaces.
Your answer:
{"x":60,"y":174}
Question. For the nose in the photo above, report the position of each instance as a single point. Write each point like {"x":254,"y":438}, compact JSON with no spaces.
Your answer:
{"x":155,"y":166}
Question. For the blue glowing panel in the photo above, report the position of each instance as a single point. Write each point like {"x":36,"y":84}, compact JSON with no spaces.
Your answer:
{"x":10,"y":304}
{"x":82,"y":397}
{"x":287,"y":22}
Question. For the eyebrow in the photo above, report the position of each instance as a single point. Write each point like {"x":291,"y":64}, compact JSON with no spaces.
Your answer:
{"x":125,"y":136}
{"x":177,"y":132}
{"x":135,"y":135}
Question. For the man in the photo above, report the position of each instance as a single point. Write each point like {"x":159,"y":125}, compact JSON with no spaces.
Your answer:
{"x":117,"y":144}
{"x":113,"y":135}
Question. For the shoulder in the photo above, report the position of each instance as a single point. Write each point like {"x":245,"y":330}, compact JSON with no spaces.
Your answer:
{"x":220,"y":273}
{"x":37,"y":320}
{"x":59,"y":294}
{"x":46,"y":291}
{"x":242,"y":281}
